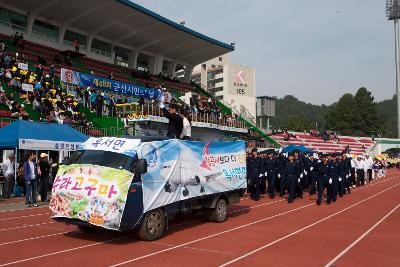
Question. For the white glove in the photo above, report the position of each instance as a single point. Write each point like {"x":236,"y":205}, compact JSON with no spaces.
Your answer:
{"x":298,"y":180}
{"x":305,"y":172}
{"x":311,"y":169}
{"x":347,"y":176}
{"x":162,"y":105}
{"x":265,"y":173}
{"x":330,"y":180}
{"x":340,"y":179}
{"x":260,"y":175}
{"x":301,"y":175}
{"x":279,"y":175}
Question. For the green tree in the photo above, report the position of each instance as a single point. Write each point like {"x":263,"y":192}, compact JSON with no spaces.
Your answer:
{"x":365,"y":113}
{"x":297,"y":123}
{"x":340,"y":116}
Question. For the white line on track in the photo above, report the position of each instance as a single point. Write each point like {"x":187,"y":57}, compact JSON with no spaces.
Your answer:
{"x":62,"y":251}
{"x":182,"y":245}
{"x":36,"y":208}
{"x":361,"y":237}
{"x":24,"y":216}
{"x":24,"y":226}
{"x":304,"y":228}
{"x":33,"y":238}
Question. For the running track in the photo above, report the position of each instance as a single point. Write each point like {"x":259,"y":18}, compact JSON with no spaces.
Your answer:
{"x":361,"y":229}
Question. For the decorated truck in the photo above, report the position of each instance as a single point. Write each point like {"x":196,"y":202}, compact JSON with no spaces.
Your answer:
{"x":123,"y":184}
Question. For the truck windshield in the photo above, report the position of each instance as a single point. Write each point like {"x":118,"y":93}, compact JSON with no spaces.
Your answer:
{"x":103,"y":158}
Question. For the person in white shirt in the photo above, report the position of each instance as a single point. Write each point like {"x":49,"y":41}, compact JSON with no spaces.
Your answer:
{"x":353,"y":172}
{"x":368,"y":164}
{"x":361,"y":169}
{"x":9,"y":176}
{"x":187,"y":127}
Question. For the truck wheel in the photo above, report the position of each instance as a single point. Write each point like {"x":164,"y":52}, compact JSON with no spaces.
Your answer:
{"x":87,"y":229}
{"x":219,"y":213}
{"x":153,"y":225}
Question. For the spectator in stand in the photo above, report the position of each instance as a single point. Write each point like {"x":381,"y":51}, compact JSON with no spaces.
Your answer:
{"x":187,"y":127}
{"x":99,"y":104}
{"x":57,"y":59}
{"x":30,"y":176}
{"x":111,"y":75}
{"x":77,"y":45}
{"x":9,"y":176}
{"x":52,"y":72}
{"x":39,"y":72}
{"x":68,"y":61}
{"x":44,"y":167}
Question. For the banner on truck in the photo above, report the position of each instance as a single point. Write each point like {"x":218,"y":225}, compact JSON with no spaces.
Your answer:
{"x":179,"y":170}
{"x":112,"y":144}
{"x":90,"y":193}
{"x":86,"y":80}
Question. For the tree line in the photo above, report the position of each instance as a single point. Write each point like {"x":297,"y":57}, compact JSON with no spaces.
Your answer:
{"x":355,"y":115}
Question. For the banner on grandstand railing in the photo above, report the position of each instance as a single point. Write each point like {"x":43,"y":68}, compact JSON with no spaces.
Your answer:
{"x":22,"y":66}
{"x":33,"y":144}
{"x":100,"y":83}
{"x":27,"y":87}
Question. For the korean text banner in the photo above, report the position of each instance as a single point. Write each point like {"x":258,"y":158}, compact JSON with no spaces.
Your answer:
{"x":118,"y":145}
{"x":179,"y":170}
{"x":84,"y":79}
{"x":90,"y":193}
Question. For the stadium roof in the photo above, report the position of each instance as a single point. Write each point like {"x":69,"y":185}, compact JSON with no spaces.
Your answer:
{"x":126,"y":24}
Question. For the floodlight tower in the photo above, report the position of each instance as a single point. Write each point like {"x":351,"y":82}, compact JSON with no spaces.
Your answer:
{"x":393,"y":13}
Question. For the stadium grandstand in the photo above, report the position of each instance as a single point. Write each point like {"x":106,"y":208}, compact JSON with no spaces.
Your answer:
{"x":327,"y":142}
{"x":127,"y":44}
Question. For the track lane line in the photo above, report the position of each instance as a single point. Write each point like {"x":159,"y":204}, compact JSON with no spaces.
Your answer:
{"x":304,"y":228}
{"x":361,"y":237}
{"x":25,"y":226}
{"x":24,"y":216}
{"x":33,"y":238}
{"x":187,"y":243}
{"x":63,"y":251}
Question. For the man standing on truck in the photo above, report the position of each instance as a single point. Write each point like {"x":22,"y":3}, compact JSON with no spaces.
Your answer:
{"x":175,"y":123}
{"x":254,"y":166}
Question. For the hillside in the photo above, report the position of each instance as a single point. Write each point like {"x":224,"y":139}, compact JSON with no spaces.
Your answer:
{"x":297,"y":115}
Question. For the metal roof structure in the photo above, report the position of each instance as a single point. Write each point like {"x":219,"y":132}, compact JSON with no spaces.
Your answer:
{"x":125,"y":24}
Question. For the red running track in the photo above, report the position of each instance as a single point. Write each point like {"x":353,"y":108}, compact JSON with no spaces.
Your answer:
{"x":360,"y":229}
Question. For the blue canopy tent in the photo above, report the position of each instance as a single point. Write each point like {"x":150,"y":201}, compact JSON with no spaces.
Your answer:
{"x":291,"y":148}
{"x":12,"y":133}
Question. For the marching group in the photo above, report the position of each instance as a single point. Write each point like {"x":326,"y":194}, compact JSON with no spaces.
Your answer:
{"x":270,"y":172}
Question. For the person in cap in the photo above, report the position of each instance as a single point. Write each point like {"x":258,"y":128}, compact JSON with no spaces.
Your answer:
{"x":324,"y":180}
{"x":345,"y":173}
{"x":334,"y":166}
{"x":271,"y":169}
{"x":44,"y":167}
{"x":9,"y":176}
{"x":313,"y":173}
{"x":254,"y":167}
{"x":299,"y":159}
{"x":292,"y":174}
{"x":281,"y":162}
{"x":342,"y":174}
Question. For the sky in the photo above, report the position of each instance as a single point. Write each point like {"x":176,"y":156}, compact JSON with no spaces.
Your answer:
{"x":316,"y":50}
